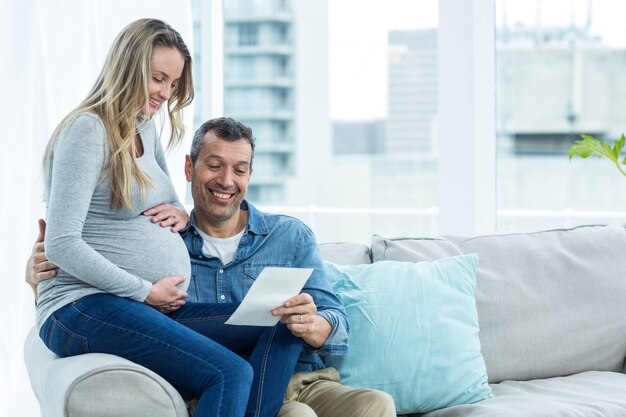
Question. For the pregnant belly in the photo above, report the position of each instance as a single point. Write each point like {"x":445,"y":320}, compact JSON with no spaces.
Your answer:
{"x":140,"y":247}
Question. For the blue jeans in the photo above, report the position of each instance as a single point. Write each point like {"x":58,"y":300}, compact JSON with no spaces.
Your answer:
{"x":191,"y":348}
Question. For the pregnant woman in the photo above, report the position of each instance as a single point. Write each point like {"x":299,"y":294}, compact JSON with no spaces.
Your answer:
{"x":121,"y":283}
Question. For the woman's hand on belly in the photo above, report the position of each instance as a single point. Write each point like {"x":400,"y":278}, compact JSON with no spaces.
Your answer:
{"x":165,"y":295}
{"x":167,"y":215}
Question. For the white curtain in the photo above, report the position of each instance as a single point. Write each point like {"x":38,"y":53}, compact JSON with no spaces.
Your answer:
{"x":51,"y":54}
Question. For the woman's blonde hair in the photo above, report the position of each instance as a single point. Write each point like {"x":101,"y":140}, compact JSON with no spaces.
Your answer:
{"x":120,"y":98}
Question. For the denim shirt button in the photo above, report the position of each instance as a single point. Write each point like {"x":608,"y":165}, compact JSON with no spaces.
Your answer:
{"x":222,"y":297}
{"x":221,"y":271}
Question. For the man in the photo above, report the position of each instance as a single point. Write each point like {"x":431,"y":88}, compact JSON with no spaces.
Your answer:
{"x":230,"y":242}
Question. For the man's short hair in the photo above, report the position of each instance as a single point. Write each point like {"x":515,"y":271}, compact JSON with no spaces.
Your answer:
{"x":224,"y":128}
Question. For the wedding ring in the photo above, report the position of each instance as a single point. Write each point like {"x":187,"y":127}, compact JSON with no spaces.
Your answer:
{"x":301,"y":319}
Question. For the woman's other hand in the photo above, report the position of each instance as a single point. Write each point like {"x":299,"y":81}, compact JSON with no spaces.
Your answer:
{"x":165,"y":295}
{"x":168,"y":215}
{"x":38,"y":268}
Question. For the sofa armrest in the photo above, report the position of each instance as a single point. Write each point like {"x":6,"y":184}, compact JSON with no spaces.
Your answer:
{"x":96,"y":384}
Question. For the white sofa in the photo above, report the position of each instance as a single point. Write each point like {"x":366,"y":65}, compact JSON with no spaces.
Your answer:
{"x":552,"y":314}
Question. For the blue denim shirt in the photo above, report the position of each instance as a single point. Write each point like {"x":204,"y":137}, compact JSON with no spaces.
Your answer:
{"x":269,"y":240}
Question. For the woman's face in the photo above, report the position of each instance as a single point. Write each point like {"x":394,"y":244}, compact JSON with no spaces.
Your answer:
{"x":166,"y":68}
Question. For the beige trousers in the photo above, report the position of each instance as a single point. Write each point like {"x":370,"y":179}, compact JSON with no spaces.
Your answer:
{"x":320,"y":394}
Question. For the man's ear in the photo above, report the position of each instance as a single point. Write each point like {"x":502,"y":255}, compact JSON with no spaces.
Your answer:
{"x":188,"y":167}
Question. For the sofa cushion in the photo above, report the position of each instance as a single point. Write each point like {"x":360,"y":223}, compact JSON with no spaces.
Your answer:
{"x":345,"y":253}
{"x":549,"y":303}
{"x":412,"y":249}
{"x":420,"y":319}
{"x":589,"y":394}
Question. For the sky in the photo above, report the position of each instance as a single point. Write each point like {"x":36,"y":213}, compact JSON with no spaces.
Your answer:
{"x":358,"y":34}
{"x":358,"y":51}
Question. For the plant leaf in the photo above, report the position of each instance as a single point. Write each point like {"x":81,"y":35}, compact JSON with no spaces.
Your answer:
{"x":617,"y":147}
{"x":589,"y":146}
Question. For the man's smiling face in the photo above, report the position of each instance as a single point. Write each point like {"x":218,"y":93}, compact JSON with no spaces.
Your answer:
{"x":219,"y":179}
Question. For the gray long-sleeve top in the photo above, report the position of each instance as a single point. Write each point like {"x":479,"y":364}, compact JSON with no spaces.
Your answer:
{"x":99,"y":248}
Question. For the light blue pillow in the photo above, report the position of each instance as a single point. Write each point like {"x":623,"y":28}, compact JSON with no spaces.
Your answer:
{"x":413,"y":331}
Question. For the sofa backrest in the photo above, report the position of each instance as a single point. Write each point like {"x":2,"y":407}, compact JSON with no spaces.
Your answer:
{"x":549,"y":303}
{"x":346,"y":253}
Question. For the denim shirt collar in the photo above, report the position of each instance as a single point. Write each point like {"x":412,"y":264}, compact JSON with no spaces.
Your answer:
{"x":256,"y":219}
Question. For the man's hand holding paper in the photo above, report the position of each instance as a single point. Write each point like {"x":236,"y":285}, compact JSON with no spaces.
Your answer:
{"x":273,"y":287}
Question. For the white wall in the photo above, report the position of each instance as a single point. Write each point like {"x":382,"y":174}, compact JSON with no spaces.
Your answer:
{"x":52,"y":52}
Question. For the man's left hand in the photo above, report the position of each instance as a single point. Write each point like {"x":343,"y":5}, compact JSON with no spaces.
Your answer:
{"x":168,"y":215}
{"x":299,"y":314}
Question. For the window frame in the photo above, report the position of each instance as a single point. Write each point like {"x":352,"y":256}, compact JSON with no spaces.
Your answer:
{"x":467,"y":123}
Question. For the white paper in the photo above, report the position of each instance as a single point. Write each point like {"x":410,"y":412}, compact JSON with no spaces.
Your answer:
{"x":271,"y":289}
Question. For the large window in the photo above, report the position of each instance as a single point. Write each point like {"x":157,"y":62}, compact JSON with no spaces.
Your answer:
{"x":382,"y":116}
{"x":342,"y":97}
{"x":560,"y":73}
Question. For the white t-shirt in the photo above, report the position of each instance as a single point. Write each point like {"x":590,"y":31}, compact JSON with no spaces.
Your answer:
{"x":223,"y":248}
